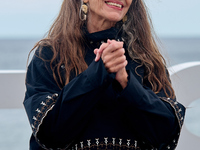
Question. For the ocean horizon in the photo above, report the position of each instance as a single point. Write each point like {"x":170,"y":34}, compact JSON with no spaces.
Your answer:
{"x":14,"y":52}
{"x":14,"y":127}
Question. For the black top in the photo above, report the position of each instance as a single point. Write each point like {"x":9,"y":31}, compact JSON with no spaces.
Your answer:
{"x":93,"y":112}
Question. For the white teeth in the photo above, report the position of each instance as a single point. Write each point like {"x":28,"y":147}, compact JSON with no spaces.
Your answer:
{"x":114,"y":4}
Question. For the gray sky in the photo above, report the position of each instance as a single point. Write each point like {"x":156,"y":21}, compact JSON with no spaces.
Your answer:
{"x":32,"y":18}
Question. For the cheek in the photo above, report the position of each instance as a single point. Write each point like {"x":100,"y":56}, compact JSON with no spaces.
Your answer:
{"x":129,"y":2}
{"x":96,"y":5}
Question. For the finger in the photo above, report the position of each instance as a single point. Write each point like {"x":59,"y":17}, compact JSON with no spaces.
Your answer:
{"x":117,"y":68}
{"x":115,"y":62}
{"x":109,"y":41}
{"x":95,"y":51}
{"x":113,"y":46}
{"x":110,"y":57}
{"x":121,"y":66}
{"x":98,"y":55}
{"x":119,"y":52}
{"x":114,"y":41}
{"x":118,"y":44}
{"x":103,"y":46}
{"x":99,"y":51}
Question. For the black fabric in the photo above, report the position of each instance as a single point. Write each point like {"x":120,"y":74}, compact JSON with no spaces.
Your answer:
{"x":93,"y":109}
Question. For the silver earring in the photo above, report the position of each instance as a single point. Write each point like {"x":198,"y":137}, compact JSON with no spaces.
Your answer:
{"x":83,"y":11}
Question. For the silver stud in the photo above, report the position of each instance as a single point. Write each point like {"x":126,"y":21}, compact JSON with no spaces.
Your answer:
{"x":42,"y":103}
{"x":106,"y":140}
{"x":32,"y":126}
{"x":81,"y":144}
{"x":120,"y":142}
{"x":76,"y":146}
{"x":38,"y":110}
{"x":97,"y":141}
{"x":128,"y":142}
{"x":168,"y":147}
{"x":113,"y":141}
{"x":34,"y":118}
{"x":89,"y":143}
{"x":49,"y":97}
{"x":135,"y":144}
{"x":62,"y":66}
{"x":175,"y":103}
{"x":180,"y":110}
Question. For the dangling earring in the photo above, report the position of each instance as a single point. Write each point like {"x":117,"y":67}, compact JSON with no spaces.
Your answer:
{"x":124,"y":19}
{"x":83,"y":11}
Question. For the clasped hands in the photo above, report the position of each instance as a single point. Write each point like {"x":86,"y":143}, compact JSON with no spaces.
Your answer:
{"x":112,"y":55}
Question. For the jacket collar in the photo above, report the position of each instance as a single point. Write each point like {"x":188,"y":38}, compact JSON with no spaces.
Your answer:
{"x":102,"y":36}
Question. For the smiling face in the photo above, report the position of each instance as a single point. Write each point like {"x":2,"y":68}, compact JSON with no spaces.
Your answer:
{"x":110,"y":11}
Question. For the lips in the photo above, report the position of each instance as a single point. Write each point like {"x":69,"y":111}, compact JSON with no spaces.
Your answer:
{"x":115,"y":4}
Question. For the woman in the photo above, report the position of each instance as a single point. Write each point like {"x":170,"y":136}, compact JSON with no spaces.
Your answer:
{"x":98,"y":81}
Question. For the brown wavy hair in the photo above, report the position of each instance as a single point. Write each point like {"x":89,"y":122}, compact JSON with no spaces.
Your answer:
{"x":142,"y":47}
{"x":66,"y":40}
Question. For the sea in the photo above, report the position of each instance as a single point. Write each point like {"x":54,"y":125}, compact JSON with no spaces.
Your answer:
{"x":14,"y":127}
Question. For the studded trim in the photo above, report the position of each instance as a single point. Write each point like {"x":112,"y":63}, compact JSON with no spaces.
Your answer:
{"x":177,"y":108}
{"x":179,"y":112}
{"x":108,"y":144}
{"x":42,"y":111}
{"x":128,"y":144}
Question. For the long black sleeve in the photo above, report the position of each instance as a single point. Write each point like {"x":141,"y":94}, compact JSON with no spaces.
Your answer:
{"x":153,"y":117}
{"x":56,"y":115}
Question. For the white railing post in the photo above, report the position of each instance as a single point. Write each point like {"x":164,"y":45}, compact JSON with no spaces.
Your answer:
{"x":12,"y":88}
{"x":186,"y":82}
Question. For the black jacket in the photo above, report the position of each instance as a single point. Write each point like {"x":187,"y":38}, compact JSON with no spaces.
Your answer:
{"x":92,"y":111}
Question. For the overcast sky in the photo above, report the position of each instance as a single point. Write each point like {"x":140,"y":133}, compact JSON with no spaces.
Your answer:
{"x":32,"y":18}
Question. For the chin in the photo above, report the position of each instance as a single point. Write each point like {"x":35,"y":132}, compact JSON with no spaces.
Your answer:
{"x":114,"y":18}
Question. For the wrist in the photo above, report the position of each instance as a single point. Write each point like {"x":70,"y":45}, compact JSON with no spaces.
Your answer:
{"x":122,"y":77}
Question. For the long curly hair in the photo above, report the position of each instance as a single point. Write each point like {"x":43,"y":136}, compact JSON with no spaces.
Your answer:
{"x":66,"y":39}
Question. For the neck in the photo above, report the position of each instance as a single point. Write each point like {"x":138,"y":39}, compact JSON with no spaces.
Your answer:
{"x":95,"y":24}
